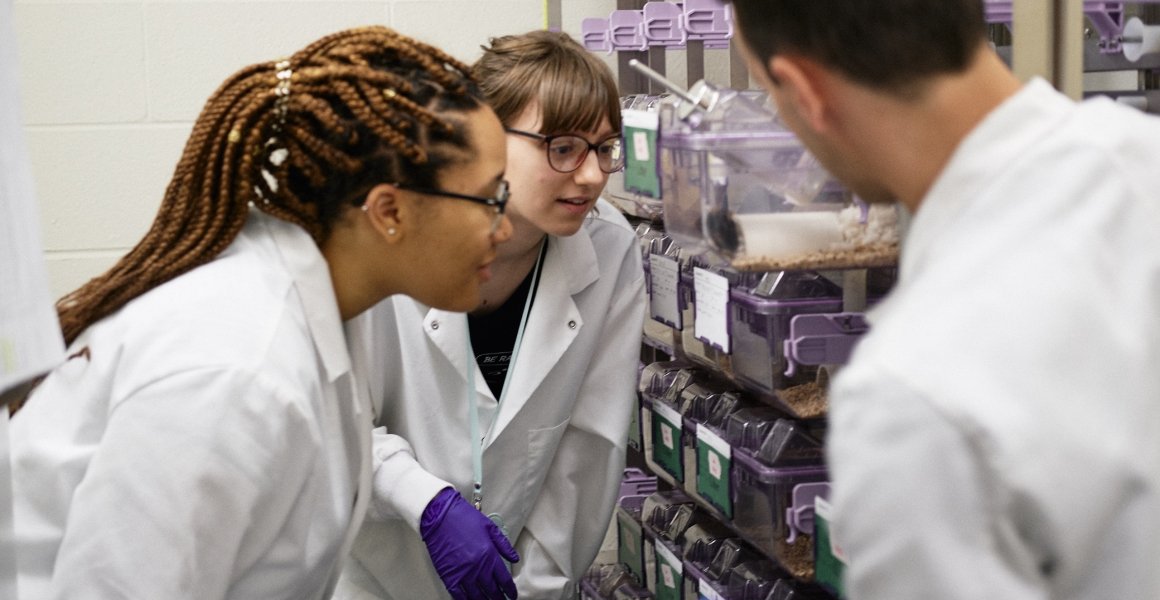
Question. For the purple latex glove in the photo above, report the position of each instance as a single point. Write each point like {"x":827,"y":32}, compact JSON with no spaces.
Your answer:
{"x":467,"y":549}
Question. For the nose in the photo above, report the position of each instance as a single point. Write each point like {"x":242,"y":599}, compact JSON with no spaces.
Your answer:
{"x":589,"y":172}
{"x":502,"y":231}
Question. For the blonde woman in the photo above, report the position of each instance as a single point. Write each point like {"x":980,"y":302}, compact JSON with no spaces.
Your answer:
{"x":545,"y":366}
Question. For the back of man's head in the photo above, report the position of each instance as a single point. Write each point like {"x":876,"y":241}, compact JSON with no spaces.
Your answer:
{"x":890,"y":45}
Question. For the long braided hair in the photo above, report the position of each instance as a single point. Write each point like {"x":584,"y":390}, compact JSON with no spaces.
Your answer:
{"x":299,"y":139}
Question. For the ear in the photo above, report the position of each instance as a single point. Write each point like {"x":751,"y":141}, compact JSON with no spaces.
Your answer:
{"x":802,"y":83}
{"x":386,"y":211}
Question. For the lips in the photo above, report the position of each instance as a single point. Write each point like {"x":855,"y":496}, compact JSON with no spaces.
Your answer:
{"x":576,"y":206}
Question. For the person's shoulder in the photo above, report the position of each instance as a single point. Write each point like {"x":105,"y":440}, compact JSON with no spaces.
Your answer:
{"x":607,"y":216}
{"x":1113,"y":131}
{"x":225,"y":312}
{"x":609,"y":230}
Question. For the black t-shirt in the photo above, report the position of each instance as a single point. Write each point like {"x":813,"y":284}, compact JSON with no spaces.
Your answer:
{"x":494,"y":335}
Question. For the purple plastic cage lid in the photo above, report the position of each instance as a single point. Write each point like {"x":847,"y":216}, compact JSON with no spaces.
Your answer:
{"x":664,"y":24}
{"x":594,"y":34}
{"x":626,"y":30}
{"x":709,"y":21}
{"x":766,"y":474}
{"x":766,"y":306}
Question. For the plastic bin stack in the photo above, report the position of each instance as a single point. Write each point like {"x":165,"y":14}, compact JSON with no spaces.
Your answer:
{"x":758,"y":278}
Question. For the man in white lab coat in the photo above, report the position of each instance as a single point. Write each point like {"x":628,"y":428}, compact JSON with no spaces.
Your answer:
{"x":995,"y":434}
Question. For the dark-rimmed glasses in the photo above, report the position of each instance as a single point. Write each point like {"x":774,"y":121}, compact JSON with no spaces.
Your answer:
{"x":566,"y":152}
{"x":499,"y":202}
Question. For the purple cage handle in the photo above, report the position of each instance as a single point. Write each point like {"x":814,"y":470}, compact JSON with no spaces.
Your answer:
{"x":626,"y":30}
{"x":800,"y":515}
{"x":822,"y":339}
{"x":664,"y":24}
{"x":594,"y":35}
{"x":709,"y":21}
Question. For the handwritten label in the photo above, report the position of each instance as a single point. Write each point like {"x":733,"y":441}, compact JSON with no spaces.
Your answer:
{"x":664,"y":276}
{"x":712,"y":309}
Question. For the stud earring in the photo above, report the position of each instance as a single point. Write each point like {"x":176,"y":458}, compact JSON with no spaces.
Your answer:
{"x":391,"y":231}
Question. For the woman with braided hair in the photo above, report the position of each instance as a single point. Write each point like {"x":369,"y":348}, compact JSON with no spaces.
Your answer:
{"x":210,"y":435}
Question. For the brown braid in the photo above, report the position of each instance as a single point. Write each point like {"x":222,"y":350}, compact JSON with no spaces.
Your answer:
{"x":366,"y":105}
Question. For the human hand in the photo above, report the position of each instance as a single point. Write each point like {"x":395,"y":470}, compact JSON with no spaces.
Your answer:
{"x":467,"y":549}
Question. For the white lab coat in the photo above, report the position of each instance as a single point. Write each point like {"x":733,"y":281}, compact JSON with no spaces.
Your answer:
{"x":995,"y":435}
{"x":214,"y":443}
{"x":554,"y":457}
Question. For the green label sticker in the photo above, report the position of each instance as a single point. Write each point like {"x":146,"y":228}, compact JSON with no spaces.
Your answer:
{"x":714,"y":459}
{"x":630,"y":544}
{"x":829,"y":560}
{"x":670,"y":574}
{"x":666,"y":432}
{"x":640,"y":162}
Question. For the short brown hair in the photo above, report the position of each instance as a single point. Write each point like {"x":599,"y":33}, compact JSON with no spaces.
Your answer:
{"x":574,"y":88}
{"x":895,"y":45}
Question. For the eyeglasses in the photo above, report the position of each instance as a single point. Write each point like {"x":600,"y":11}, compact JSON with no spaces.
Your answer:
{"x":499,"y":202}
{"x":566,"y":152}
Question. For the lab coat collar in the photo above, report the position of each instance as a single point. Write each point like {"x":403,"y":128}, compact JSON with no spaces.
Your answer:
{"x":570,"y":266}
{"x":995,"y":143}
{"x":311,"y":274}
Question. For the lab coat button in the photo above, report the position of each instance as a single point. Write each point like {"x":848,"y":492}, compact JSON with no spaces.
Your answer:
{"x":434,"y":325}
{"x":571,"y":324}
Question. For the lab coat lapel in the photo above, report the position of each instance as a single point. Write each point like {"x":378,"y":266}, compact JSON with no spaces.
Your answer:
{"x":448,"y":331}
{"x":569,"y":267}
{"x":358,"y":336}
{"x":341,"y":348}
{"x":311,"y":276}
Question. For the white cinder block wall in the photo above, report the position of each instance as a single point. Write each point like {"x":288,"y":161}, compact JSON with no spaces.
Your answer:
{"x":110,"y":90}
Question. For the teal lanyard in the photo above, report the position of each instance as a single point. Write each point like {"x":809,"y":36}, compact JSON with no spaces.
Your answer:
{"x":472,"y":400}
